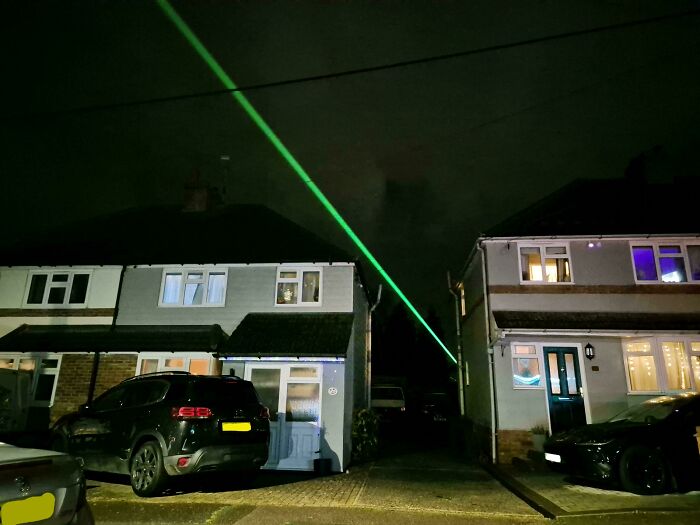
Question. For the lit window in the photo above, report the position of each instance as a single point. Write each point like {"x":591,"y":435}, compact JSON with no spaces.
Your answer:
{"x":193,"y":288}
{"x":298,"y":287}
{"x":526,"y":367}
{"x":198,"y":364}
{"x":666,"y":262}
{"x":57,"y":289}
{"x":462,"y":300}
{"x":663,"y":365}
{"x":641,"y":367}
{"x":676,"y":365}
{"x":545,"y":264}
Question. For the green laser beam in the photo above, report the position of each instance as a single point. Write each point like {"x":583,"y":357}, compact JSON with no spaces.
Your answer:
{"x":202,"y":51}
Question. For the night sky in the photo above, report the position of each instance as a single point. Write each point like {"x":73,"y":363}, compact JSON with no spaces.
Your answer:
{"x":418,"y":159}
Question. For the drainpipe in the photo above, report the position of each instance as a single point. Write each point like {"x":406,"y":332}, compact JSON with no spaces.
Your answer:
{"x":458,"y":334}
{"x":368,"y":364}
{"x":492,"y":375}
{"x":96,"y":358}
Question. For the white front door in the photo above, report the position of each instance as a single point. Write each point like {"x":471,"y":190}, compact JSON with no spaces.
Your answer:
{"x":292,"y":392}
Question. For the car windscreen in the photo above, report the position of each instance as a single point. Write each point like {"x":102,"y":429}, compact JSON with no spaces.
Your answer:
{"x":387,"y":393}
{"x":648,"y":412}
{"x":217,"y":391}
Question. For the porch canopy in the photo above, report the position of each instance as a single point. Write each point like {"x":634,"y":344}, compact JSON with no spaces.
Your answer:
{"x":119,"y":338}
{"x":290,"y":335}
{"x":633,"y":321}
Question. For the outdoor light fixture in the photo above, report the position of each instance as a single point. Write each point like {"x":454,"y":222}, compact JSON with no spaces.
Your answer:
{"x":590,"y":351}
{"x":223,"y":77}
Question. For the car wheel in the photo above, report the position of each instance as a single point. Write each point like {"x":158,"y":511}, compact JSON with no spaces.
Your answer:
{"x":148,"y":476}
{"x":644,"y":471}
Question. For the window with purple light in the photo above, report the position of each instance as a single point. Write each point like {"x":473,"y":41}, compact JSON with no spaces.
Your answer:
{"x":694,"y":259}
{"x":644,"y":263}
{"x":672,"y":270}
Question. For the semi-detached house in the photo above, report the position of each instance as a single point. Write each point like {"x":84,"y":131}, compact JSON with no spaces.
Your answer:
{"x":237,"y":290}
{"x":580,"y":306}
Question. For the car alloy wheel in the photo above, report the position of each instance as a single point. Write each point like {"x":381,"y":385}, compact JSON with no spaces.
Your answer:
{"x":644,"y":471}
{"x":147,"y":472}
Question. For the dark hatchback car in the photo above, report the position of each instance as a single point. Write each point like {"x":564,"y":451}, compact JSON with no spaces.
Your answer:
{"x":155,"y":426}
{"x":651,"y":448}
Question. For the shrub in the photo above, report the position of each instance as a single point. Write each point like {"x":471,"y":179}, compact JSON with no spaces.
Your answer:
{"x":365,"y":435}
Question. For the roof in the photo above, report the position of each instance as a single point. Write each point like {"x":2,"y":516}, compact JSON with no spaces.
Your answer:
{"x":243,"y":233}
{"x":596,"y":320}
{"x":625,"y":206}
{"x":290,"y":335}
{"x":121,"y":338}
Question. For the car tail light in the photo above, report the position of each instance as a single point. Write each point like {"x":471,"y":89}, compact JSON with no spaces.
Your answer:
{"x":264,"y":413}
{"x":183,"y":462}
{"x":191,"y":412}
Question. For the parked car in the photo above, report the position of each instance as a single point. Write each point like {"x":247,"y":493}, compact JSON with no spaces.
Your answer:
{"x":436,"y":408}
{"x":41,"y":485}
{"x":651,"y":448}
{"x":156,"y":426}
{"x":388,"y":402}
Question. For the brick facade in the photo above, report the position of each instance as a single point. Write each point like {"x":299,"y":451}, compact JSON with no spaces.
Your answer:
{"x":513,"y":444}
{"x":74,"y":379}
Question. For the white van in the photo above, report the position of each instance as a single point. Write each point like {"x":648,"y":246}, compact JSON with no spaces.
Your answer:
{"x":388,"y":401}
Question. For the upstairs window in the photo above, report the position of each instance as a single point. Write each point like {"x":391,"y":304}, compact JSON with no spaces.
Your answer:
{"x":547,"y":263}
{"x":57,"y":289}
{"x":297,"y":286}
{"x":666,"y":262}
{"x":193,"y":288}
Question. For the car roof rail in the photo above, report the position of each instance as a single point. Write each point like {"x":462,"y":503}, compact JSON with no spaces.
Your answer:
{"x":161,"y":373}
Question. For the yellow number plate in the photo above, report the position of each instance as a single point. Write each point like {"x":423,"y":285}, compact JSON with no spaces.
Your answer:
{"x":28,"y":510}
{"x":235,"y":427}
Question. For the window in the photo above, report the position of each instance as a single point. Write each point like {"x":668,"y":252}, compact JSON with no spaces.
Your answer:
{"x":462,"y":300}
{"x":666,"y":262}
{"x":662,"y":364}
{"x":547,"y":263}
{"x":526,"y":366}
{"x":198,"y":364}
{"x":297,"y":286}
{"x":43,"y":383}
{"x":193,"y":288}
{"x":57,"y":289}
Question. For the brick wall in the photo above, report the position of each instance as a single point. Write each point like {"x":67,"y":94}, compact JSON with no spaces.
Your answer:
{"x":74,"y":379}
{"x":513,"y":444}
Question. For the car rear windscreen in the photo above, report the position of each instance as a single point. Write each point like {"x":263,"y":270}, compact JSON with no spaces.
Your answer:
{"x":216,"y":391}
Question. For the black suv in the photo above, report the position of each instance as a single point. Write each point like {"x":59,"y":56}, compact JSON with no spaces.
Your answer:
{"x":167,"y":424}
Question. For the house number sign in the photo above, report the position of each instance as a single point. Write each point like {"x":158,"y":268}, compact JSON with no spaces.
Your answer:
{"x":332,"y":391}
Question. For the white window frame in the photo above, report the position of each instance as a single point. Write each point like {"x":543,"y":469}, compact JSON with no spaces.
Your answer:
{"x":542,"y":248}
{"x":299,"y":279}
{"x":162,"y":357}
{"x":38,"y":370}
{"x":206,"y":272}
{"x":540,"y":360}
{"x":657,"y":353}
{"x":68,"y":285}
{"x":655,"y":244}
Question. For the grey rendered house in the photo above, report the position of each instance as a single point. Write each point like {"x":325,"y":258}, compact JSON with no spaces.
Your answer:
{"x":236,"y":290}
{"x":579,"y":306}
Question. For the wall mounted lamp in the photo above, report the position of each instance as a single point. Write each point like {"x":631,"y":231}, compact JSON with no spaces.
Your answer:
{"x":590,"y":351}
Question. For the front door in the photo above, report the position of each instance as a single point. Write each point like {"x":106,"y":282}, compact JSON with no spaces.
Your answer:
{"x":293,"y":395}
{"x":564,"y":390}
